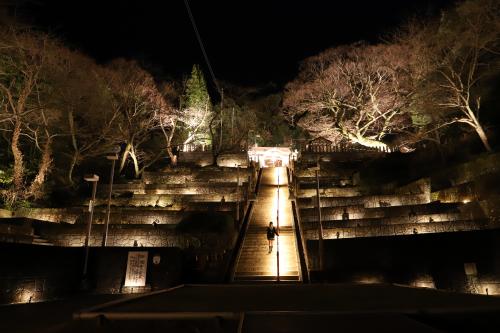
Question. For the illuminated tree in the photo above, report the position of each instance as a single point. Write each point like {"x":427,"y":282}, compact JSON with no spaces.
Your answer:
{"x":168,"y":118}
{"x":357,"y":93}
{"x":26,"y":123}
{"x":459,"y":53}
{"x":196,"y":109}
{"x":79,"y":94}
{"x":137,"y":100}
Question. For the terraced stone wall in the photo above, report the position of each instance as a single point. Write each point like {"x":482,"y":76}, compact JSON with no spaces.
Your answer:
{"x":139,"y":236}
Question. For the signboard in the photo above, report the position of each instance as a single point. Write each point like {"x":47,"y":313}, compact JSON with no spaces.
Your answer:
{"x":137,"y":265}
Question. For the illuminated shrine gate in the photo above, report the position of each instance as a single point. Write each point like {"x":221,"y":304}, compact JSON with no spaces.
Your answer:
{"x":269,"y":157}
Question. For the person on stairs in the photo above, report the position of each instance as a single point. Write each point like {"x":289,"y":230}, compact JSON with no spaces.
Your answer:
{"x":271,"y":231}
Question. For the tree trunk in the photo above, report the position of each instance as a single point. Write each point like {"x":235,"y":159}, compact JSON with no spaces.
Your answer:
{"x":35,"y":189}
{"x":482,"y":135}
{"x":71,"y":168}
{"x":74,"y":143}
{"x":18,"y":169}
{"x":173,"y":157}
{"x":136,"y":162}
{"x":125,"y":154}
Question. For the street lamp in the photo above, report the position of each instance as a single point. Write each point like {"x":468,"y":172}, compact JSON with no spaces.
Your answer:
{"x":112,"y":158}
{"x":93,"y":179}
{"x":238,"y":193}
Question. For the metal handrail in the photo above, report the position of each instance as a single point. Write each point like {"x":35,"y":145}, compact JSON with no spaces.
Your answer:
{"x":303,"y":247}
{"x":241,"y":236}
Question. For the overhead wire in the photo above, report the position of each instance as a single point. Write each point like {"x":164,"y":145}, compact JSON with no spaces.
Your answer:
{"x":198,"y":36}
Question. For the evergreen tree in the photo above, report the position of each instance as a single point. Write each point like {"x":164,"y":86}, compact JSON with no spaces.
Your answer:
{"x":196,"y":108}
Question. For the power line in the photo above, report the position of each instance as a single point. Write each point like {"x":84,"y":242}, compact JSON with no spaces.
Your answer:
{"x":202,"y":47}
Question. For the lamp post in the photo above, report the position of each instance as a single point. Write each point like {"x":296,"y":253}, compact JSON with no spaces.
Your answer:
{"x":112,"y":158}
{"x":238,"y":193}
{"x":320,"y":225}
{"x":93,"y":179}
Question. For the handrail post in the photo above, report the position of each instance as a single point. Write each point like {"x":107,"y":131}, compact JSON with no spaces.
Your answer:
{"x":278,"y":227}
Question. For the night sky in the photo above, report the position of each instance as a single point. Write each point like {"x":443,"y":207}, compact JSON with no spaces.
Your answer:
{"x":248,"y":42}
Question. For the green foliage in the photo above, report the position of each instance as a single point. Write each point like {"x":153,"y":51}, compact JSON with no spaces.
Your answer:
{"x":196,"y":93}
{"x":206,"y":222}
{"x":6,"y":176}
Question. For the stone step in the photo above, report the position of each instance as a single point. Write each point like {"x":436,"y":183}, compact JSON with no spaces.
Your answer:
{"x":261,"y":278}
{"x":254,"y":262}
{"x":37,"y":240}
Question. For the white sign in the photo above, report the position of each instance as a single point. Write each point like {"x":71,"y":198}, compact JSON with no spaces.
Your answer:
{"x":137,"y":265}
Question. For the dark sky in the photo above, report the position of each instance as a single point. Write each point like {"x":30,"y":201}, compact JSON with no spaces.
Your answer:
{"x":248,"y":42}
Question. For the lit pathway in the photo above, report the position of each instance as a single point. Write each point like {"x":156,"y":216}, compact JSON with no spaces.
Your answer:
{"x":254,"y":262}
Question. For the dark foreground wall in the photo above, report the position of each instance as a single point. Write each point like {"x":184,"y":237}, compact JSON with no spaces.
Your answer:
{"x":36,"y":273}
{"x":423,"y":260}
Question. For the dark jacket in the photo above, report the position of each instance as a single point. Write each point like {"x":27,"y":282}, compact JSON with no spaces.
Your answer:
{"x":271,"y":232}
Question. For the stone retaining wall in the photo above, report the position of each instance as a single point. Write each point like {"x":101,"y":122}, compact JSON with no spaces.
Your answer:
{"x":370,"y":201}
{"x":121,"y":215}
{"x":140,"y":236}
{"x":399,"y":229}
{"x":66,"y":215}
{"x":423,"y":218}
{"x":466,"y":172}
{"x":311,"y":222}
{"x":331,"y":192}
{"x":360,"y":212}
{"x":43,"y":273}
{"x":205,"y":158}
{"x":420,"y":186}
{"x":173,"y":189}
{"x":218,"y":175}
{"x":425,"y":260}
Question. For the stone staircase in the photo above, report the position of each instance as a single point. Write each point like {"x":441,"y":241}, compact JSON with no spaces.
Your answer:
{"x":404,"y":210}
{"x":254,"y":262}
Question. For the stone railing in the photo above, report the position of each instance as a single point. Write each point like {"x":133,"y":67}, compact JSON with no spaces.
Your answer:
{"x":340,"y":148}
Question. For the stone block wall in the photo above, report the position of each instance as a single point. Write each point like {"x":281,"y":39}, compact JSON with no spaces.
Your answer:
{"x":125,"y":215}
{"x":369,"y":201}
{"x":185,"y":175}
{"x":140,"y":236}
{"x":420,"y":186}
{"x":380,"y":230}
{"x":331,"y":192}
{"x":231,"y":160}
{"x":38,"y":273}
{"x":381,"y":220}
{"x":424,"y":260}
{"x":199,"y":158}
{"x":66,"y":215}
{"x":466,"y":172}
{"x":42,"y":273}
{"x":360,"y":212}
